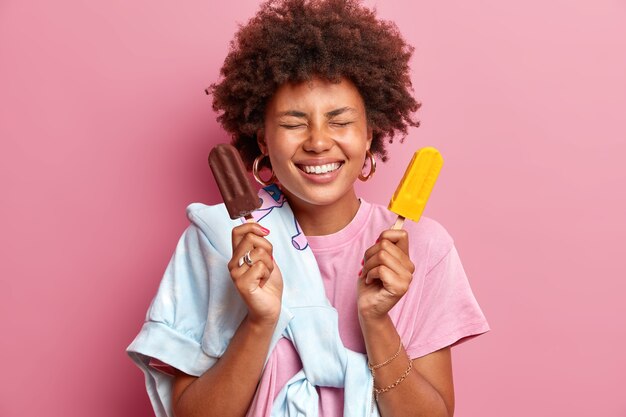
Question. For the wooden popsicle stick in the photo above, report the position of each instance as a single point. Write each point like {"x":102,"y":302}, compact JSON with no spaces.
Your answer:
{"x":398,"y":224}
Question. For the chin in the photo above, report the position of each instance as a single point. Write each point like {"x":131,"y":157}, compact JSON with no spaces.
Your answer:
{"x":319,"y":197}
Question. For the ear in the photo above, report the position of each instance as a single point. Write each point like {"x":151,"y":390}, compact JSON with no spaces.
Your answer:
{"x":260,"y":140}
{"x":370,"y":136}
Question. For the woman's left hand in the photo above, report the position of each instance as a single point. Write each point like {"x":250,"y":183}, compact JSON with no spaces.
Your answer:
{"x":386,"y":274}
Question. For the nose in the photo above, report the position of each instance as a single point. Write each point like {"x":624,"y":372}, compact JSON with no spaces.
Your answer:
{"x":318,"y":141}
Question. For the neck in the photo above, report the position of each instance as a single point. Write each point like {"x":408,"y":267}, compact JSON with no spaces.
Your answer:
{"x":320,"y":220}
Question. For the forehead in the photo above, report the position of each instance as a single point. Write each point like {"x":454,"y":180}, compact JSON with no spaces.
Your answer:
{"x":314,"y":94}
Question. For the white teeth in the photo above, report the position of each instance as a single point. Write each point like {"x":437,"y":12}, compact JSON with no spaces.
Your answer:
{"x":320,"y":169}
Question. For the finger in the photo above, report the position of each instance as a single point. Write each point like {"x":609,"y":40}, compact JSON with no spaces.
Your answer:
{"x":260,"y":255}
{"x":386,"y":245}
{"x":394,"y":274}
{"x":249,"y":242}
{"x":393,"y":258}
{"x":376,"y":247}
{"x":388,"y":279}
{"x":252,"y":277}
{"x":274,"y":270}
{"x":393,"y":254}
{"x":398,"y":237}
{"x":242,"y":230}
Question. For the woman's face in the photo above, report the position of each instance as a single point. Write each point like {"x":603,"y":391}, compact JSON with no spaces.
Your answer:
{"x":316,"y":135}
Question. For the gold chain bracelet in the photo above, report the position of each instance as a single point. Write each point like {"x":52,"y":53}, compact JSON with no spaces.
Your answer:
{"x":378,"y":391}
{"x":387,"y":362}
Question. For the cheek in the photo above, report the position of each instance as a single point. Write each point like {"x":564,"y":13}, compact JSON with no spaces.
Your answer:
{"x":354,"y":144}
{"x":284,"y":145}
{"x":279,"y":153}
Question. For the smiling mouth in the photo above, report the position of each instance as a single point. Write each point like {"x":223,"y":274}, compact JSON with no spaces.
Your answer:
{"x":320,"y":169}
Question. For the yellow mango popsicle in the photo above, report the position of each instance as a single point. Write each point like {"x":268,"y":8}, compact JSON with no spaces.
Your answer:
{"x":414,"y":189}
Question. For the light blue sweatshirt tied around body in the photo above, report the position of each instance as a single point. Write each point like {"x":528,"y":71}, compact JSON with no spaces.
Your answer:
{"x":197,"y":310}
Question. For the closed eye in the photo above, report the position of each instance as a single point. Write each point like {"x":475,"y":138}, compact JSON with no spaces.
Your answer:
{"x":341,"y":124}
{"x":289,"y":126}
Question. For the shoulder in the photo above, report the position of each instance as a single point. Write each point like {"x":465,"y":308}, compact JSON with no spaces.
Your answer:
{"x":199,"y":213}
{"x":213,"y":223}
{"x":209,"y":218}
{"x":427,"y":237}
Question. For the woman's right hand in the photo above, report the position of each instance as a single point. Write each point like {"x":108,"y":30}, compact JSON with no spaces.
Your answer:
{"x":260,"y":285}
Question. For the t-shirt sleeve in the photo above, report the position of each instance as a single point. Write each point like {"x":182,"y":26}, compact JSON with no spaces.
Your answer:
{"x":174,"y":325}
{"x":448,"y":312}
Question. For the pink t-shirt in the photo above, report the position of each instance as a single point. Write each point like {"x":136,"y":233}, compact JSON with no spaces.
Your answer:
{"x":438,"y":310}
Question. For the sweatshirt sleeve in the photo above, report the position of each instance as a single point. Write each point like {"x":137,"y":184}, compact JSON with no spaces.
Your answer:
{"x":173,"y":329}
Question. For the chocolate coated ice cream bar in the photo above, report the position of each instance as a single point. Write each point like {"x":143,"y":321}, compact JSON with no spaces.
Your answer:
{"x":230,"y":174}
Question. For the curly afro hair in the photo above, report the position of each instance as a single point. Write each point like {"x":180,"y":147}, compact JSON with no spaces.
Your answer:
{"x":295,"y":40}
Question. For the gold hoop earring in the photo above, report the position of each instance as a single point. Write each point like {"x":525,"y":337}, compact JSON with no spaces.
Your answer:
{"x":255,"y":172}
{"x":372,"y":167}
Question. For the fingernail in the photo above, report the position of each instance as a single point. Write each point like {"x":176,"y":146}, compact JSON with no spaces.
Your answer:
{"x":361,"y":270}
{"x":362,"y":261}
{"x":267,"y":231}
{"x":377,"y":240}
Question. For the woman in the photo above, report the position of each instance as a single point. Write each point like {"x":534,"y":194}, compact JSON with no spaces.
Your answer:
{"x":347,"y":320}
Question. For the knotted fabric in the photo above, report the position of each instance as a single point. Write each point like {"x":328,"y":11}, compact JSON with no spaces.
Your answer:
{"x":197,"y":311}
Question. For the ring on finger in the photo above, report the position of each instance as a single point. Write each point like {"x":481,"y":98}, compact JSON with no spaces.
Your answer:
{"x":245,"y":259}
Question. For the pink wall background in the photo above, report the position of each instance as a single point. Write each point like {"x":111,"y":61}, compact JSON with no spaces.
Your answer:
{"x":104,"y":132}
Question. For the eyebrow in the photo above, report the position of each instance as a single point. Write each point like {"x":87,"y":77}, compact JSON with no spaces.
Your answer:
{"x":329,"y":115}
{"x":337,"y":112}
{"x":293,"y":113}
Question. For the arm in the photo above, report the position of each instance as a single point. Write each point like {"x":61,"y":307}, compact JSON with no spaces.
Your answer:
{"x":228,"y":387}
{"x":428,"y":389}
